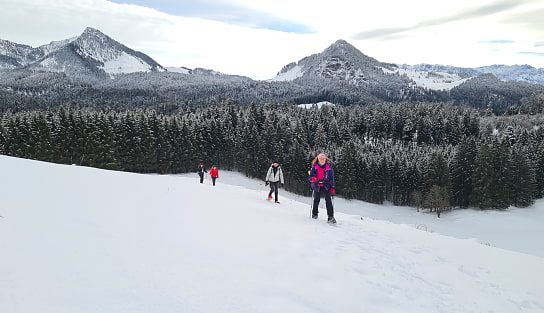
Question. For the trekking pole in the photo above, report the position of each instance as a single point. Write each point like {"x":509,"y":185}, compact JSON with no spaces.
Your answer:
{"x":312,"y":204}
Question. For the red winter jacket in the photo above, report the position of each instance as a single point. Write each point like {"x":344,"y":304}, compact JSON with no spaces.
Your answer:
{"x":214,"y":172}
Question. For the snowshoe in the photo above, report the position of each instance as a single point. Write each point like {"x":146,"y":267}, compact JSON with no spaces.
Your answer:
{"x":314,"y":216}
{"x":331,"y":220}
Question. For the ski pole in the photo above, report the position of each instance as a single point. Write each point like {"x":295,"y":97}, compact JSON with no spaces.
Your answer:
{"x":312,"y":204}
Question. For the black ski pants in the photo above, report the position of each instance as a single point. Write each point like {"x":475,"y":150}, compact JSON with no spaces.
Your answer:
{"x":274,"y":186}
{"x":328,"y":201}
{"x":201,"y":177}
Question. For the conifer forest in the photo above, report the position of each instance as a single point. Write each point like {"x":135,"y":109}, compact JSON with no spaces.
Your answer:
{"x":434,"y":156}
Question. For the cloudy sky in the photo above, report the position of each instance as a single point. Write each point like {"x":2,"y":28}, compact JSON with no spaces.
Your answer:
{"x":256,"y":38}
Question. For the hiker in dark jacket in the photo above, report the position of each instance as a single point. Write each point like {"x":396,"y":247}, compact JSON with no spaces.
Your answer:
{"x":322,"y":182}
{"x":201,"y":170}
{"x":274,"y":177}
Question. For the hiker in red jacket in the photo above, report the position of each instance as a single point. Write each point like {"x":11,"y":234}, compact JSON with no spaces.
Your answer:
{"x":214,"y":173}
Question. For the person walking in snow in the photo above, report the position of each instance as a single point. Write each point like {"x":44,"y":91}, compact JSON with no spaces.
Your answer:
{"x":214,"y":173}
{"x":322,"y":182}
{"x":274,"y":177}
{"x":201,"y":170}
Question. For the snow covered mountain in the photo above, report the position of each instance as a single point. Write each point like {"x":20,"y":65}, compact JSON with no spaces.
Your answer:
{"x":73,"y":237}
{"x":340,"y":74}
{"x":343,"y":62}
{"x":90,"y":53}
{"x":513,"y":73}
{"x":94,"y":52}
{"x":339,"y":62}
{"x":13,"y":55}
{"x":343,"y":72}
{"x":520,"y":73}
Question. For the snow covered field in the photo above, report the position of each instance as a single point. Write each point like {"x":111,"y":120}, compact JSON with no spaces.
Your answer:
{"x":516,"y":229}
{"x":75,"y":239}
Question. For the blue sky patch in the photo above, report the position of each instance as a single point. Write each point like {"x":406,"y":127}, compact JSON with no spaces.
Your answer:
{"x":538,"y":54}
{"x":497,"y":41}
{"x":224,"y":12}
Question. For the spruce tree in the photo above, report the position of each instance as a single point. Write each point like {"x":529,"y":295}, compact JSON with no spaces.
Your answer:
{"x":2,"y":140}
{"x":346,"y":171}
{"x":483,"y":178}
{"x":462,"y":171}
{"x":501,"y":195}
{"x":539,"y":171}
{"x":522,"y":182}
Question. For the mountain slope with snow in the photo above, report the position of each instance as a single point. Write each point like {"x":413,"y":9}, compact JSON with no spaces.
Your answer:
{"x":434,"y":80}
{"x":508,"y":73}
{"x":80,"y":239}
{"x":339,"y":62}
{"x":91,"y":52}
{"x":13,"y":55}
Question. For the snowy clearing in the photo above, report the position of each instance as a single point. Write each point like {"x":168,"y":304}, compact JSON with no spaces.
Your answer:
{"x":77,"y":239}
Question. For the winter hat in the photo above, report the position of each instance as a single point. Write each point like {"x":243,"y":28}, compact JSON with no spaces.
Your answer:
{"x":201,"y":164}
{"x":321,"y":155}
{"x":214,"y":166}
{"x":275,"y":162}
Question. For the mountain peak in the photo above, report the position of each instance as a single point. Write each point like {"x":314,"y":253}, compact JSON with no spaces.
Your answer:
{"x":92,"y":31}
{"x":94,"y":35}
{"x":340,"y":62}
{"x":342,"y":47}
{"x":342,"y":43}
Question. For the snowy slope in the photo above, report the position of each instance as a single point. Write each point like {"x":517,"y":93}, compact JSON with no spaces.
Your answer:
{"x":125,"y":63}
{"x":181,"y":70}
{"x":434,"y":80}
{"x":290,"y":74}
{"x":78,"y":239}
{"x":515,"y":229}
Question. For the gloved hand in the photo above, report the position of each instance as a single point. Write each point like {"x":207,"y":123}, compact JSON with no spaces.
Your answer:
{"x":266,"y":183}
{"x":282,"y":185}
{"x":333,"y":191}
{"x":314,"y":179}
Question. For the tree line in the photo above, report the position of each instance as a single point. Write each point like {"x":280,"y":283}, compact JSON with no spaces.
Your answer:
{"x":429,"y":155}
